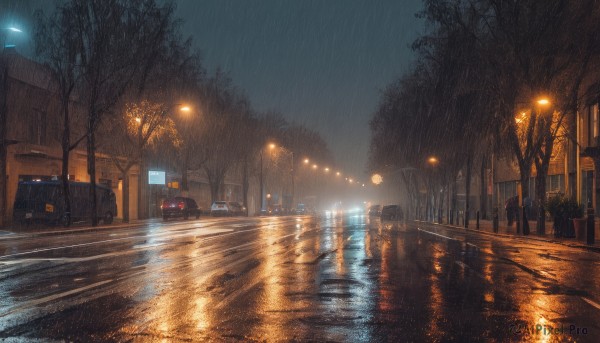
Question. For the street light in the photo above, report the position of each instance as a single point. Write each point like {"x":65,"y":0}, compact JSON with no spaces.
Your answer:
{"x":306,"y":161}
{"x":262,"y":188}
{"x":543,"y":101}
{"x":377,"y":179}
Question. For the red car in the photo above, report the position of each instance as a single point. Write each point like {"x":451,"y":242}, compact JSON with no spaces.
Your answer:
{"x":180,"y":207}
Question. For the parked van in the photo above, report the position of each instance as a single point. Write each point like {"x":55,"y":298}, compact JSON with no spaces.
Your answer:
{"x":43,"y":201}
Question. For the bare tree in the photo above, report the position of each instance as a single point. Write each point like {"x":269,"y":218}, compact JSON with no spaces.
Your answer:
{"x":56,"y":46}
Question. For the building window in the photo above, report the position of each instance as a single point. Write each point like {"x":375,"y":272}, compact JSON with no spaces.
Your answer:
{"x":555,"y":184}
{"x":37,"y":128}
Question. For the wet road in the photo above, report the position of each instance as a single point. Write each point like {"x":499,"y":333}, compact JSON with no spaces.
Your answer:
{"x":295,"y":279}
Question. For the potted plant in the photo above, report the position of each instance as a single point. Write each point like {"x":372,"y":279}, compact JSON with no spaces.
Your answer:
{"x":575,"y":212}
{"x":567,"y":215}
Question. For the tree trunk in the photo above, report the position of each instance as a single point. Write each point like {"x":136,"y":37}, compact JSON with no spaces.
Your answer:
{"x":468,"y":189}
{"x":184,"y":172}
{"x":542,"y":167}
{"x":66,"y":148}
{"x":214,"y":181}
{"x":245,"y":184}
{"x":91,"y":151}
{"x":125,"y":177}
{"x":483,"y":190}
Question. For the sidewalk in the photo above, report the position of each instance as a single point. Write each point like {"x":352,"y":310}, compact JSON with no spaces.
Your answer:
{"x":486,"y":227}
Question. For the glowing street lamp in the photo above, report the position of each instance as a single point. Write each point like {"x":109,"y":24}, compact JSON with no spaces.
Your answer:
{"x":376,"y":179}
{"x":185,"y":108}
{"x":326,"y":170}
{"x":306,"y":161}
{"x":338,"y":174}
{"x":272,"y":146}
{"x":315,"y":166}
{"x":543,"y":101}
{"x":433,"y":160}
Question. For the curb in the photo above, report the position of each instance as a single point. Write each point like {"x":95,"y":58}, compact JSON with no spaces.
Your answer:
{"x":83,"y":229}
{"x":591,"y":248}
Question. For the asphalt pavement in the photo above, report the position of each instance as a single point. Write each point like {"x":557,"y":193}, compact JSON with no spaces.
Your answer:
{"x":294,"y":278}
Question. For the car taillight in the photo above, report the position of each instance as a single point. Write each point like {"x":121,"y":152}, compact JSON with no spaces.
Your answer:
{"x":181,"y":205}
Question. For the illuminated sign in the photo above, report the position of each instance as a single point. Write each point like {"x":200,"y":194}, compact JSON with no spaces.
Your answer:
{"x":156,"y":177}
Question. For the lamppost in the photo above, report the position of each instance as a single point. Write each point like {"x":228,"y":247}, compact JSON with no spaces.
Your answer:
{"x":262,"y":188}
{"x":292,"y":171}
{"x":541,"y":222}
{"x":433,"y":162}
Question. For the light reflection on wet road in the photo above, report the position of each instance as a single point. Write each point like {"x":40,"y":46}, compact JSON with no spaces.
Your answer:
{"x":295,"y":278}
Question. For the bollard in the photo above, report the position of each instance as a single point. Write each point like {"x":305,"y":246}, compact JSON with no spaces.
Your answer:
{"x":477,"y":224}
{"x":525,"y":222}
{"x":495,"y":220}
{"x":591,"y":226}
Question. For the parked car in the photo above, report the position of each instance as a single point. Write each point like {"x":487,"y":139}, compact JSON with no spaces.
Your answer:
{"x":43,"y":201}
{"x":375,"y":210}
{"x":392,"y":212}
{"x":220,"y":208}
{"x":276,"y":210}
{"x":301,"y":209}
{"x":237,"y":209}
{"x":180,"y":207}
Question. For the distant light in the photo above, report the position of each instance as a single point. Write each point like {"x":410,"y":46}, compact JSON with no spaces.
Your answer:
{"x":185,"y":108}
{"x":315,"y":166}
{"x":350,"y":180}
{"x":138,"y":120}
{"x":272,"y":146}
{"x":14,"y":29}
{"x":338,"y":174}
{"x":363,"y":184}
{"x":543,"y":101}
{"x":376,"y":179}
{"x":306,"y":160}
{"x":326,"y":170}
{"x":519,"y":119}
{"x":433,"y":160}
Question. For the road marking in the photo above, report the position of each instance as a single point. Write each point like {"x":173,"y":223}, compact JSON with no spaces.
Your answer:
{"x":39,"y":301}
{"x":437,"y":235}
{"x":591,"y":302}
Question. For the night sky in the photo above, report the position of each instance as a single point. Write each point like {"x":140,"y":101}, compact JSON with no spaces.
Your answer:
{"x":319,"y":63}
